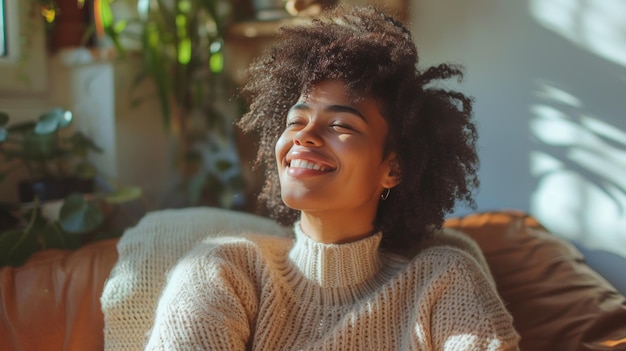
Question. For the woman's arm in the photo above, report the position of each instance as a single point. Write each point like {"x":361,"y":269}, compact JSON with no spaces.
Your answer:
{"x":206,"y":305}
{"x":467,"y":313}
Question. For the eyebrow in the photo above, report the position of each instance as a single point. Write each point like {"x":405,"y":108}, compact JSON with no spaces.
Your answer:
{"x":300,"y":106}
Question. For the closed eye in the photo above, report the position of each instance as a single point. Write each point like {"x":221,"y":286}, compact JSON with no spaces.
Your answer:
{"x":341,"y":126}
{"x":295,"y":121}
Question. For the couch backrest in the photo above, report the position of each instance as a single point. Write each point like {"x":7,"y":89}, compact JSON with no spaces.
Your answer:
{"x":557,"y":301}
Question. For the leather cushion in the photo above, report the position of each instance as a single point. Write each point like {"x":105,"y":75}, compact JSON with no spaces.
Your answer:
{"x":53,"y":301}
{"x":557,"y":300}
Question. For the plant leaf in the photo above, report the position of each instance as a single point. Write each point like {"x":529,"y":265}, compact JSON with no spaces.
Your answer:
{"x":108,"y":234}
{"x":124,"y":194}
{"x":195,"y":186}
{"x":79,"y":216}
{"x":119,"y":26}
{"x":85,"y":170}
{"x":21,"y":127}
{"x":16,"y":246}
{"x":4,"y":118}
{"x":184,"y":51}
{"x":52,"y":120}
{"x":216,"y":62}
{"x":223,"y":165}
{"x":210,"y":6}
{"x":106,"y":15}
{"x":66,"y":119}
{"x":55,"y":238}
{"x":157,"y":69}
{"x":46,"y":126}
{"x":83,"y":144}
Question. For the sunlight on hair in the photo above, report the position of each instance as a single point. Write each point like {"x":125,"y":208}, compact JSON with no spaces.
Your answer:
{"x":579,"y":162}
{"x":596,"y":26}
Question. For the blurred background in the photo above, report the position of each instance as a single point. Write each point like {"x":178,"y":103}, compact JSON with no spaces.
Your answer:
{"x":154,"y":85}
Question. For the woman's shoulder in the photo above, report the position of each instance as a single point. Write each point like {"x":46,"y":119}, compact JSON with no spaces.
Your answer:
{"x":450,"y":246}
{"x":248,"y":249}
{"x":442,"y":258}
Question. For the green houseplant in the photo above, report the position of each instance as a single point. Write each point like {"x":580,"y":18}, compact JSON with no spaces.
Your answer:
{"x":182,"y":53}
{"x":49,"y":217}
{"x":48,"y":155}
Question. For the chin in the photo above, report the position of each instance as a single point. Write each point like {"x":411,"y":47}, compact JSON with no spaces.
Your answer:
{"x":299,"y":202}
{"x":292,"y":202}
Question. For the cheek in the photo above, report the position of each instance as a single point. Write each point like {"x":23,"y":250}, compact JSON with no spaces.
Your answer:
{"x":282,"y":146}
{"x":353,"y":149}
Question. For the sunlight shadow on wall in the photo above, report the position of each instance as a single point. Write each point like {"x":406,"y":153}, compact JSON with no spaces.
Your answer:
{"x":579,"y":162}
{"x":578,"y":155}
{"x":596,"y":26}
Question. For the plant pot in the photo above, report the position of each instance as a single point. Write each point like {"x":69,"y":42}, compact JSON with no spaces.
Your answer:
{"x":70,"y":25}
{"x":54,"y":188}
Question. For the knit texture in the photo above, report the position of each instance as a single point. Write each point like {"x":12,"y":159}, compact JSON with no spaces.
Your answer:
{"x":262,"y":292}
{"x":147,"y":252}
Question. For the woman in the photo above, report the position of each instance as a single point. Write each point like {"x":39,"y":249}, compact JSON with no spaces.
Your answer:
{"x":363,"y":157}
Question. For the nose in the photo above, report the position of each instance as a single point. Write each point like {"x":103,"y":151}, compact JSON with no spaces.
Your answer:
{"x":308,"y":136}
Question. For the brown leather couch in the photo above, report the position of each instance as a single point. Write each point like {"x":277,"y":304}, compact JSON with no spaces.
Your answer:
{"x":557,"y":301}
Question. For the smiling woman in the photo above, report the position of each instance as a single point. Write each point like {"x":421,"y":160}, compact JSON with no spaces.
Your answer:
{"x":364,"y":155}
{"x":332,"y":148}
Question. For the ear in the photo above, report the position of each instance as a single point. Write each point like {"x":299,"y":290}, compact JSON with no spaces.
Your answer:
{"x":393,"y":175}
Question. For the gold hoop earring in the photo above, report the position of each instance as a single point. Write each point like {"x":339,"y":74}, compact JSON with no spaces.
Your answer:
{"x":385,"y":194}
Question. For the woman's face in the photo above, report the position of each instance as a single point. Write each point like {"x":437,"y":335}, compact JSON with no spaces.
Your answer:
{"x":330,"y":155}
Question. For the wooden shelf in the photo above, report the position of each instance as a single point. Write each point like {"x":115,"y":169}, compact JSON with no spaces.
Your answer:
{"x":258,"y":29}
{"x":245,"y":40}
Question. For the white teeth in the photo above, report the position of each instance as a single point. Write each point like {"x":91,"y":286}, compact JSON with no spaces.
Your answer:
{"x":298,"y":163}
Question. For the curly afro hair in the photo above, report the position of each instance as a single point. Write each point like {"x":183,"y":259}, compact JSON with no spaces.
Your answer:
{"x":429,"y":128}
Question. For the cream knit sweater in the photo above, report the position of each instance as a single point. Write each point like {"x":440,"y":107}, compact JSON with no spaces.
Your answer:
{"x":266,"y":293}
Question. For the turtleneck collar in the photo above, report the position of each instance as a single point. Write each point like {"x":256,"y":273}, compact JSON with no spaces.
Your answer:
{"x":336,"y":265}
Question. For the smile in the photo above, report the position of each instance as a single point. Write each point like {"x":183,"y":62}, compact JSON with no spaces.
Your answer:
{"x":299,"y":163}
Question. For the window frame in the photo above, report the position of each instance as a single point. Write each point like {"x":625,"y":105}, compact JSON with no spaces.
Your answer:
{"x":10,"y":32}
{"x":24,"y":71}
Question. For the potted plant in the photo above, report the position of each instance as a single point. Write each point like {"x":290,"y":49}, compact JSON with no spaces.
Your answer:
{"x":182,"y":49}
{"x":77,"y":23}
{"x":61,"y":206}
{"x":57,"y":164}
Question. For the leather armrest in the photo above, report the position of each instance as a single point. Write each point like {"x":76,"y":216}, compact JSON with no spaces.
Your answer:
{"x":52,"y":302}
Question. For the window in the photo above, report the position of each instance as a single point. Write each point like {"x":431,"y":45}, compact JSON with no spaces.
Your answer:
{"x":3,"y":31}
{"x":22,"y":62}
{"x":9,"y":29}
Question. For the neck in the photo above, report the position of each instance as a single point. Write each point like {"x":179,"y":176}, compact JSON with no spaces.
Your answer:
{"x":336,"y":228}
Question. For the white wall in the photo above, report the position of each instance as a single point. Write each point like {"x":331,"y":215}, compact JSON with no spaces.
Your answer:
{"x":98,"y":89}
{"x":549,"y":79}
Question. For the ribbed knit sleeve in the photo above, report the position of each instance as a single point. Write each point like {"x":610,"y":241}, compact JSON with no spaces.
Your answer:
{"x":464,"y":308}
{"x":206,"y":305}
